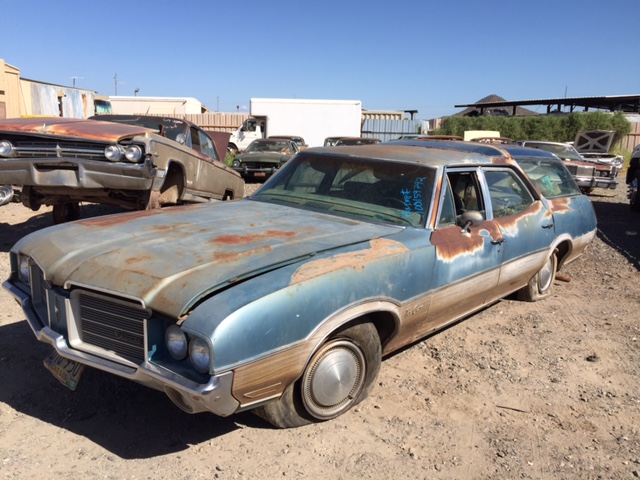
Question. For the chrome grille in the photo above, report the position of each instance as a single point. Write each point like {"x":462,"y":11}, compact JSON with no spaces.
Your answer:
{"x":30,"y":148}
{"x":117,"y":325}
{"x":260,"y":165}
{"x":39,"y":294}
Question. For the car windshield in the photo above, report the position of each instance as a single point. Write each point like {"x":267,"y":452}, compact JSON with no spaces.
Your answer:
{"x":168,"y":127}
{"x":563,"y":151}
{"x":550,"y":176}
{"x":365,"y":189}
{"x":269,"y":146}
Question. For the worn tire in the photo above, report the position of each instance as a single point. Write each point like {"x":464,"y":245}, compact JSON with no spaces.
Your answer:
{"x":66,"y":212}
{"x":339,"y":375}
{"x":634,"y":201}
{"x":541,"y":284}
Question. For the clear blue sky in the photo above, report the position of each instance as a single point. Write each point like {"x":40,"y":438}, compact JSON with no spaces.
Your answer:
{"x":391,"y":55}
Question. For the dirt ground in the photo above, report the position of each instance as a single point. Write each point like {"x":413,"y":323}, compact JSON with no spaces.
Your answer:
{"x":546,"y":390}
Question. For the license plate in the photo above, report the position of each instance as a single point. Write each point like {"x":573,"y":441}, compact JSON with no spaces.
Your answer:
{"x":259,"y":174}
{"x":65,"y":370}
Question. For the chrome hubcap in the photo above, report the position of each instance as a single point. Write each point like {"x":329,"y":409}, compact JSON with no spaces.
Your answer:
{"x":334,"y":379}
{"x":545,"y":277}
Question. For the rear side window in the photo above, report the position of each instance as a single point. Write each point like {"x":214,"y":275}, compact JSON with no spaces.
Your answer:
{"x":550,"y":176}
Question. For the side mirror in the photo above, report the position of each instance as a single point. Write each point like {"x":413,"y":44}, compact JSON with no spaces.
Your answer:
{"x":468,"y":219}
{"x":181,"y":138}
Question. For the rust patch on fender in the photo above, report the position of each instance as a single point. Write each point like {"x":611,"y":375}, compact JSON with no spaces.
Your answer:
{"x":380,"y":247}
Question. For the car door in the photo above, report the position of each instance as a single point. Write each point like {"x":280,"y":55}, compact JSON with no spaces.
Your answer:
{"x":208,"y":179}
{"x":468,"y":259}
{"x":526,"y":226}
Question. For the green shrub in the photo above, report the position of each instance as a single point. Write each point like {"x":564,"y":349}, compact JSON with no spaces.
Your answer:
{"x":552,"y":128}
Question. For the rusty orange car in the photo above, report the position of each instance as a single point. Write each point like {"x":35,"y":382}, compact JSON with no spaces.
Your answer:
{"x":131,"y":161}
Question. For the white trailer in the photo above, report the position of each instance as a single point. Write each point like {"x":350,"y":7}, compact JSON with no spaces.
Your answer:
{"x":314,"y":120}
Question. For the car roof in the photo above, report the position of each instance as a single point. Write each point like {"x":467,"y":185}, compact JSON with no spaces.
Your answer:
{"x":472,"y":147}
{"x":272,"y":140}
{"x":435,"y":156}
{"x":142,"y":119}
{"x":517,"y":151}
{"x":285,"y":137}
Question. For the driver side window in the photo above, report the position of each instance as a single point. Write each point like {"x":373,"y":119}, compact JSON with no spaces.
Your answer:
{"x":466,"y":192}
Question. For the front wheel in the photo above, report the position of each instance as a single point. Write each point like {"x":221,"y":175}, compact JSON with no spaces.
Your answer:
{"x":338,"y":376}
{"x":541,"y":284}
{"x":66,"y":212}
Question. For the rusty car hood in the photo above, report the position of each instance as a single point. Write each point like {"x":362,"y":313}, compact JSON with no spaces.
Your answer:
{"x":72,"y":127}
{"x":172,"y":258}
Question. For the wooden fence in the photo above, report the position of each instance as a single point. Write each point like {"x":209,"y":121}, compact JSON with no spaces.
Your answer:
{"x":629,"y":142}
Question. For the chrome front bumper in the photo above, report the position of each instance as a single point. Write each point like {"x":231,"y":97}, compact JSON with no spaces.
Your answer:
{"x":214,"y":396}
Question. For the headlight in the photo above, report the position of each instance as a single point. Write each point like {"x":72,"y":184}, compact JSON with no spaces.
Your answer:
{"x":236,"y":163}
{"x":199,"y":354}
{"x":24,"y":272}
{"x":133,"y":153}
{"x":176,"y":342}
{"x":113,"y":153}
{"x":6,"y":148}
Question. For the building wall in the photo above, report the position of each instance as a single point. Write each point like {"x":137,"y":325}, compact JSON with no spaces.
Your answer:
{"x":156,"y":106}
{"x":10,"y":98}
{"x":56,"y":100}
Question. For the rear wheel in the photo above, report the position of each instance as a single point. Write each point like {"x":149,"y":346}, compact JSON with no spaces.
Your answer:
{"x":338,"y":376}
{"x":66,"y":212}
{"x":635,"y":195}
{"x":541,"y":284}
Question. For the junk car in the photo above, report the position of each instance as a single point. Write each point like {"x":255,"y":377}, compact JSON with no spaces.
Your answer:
{"x":589,"y":173}
{"x":633,"y":180}
{"x":130,"y":161}
{"x":286,"y":302}
{"x":264,"y":156}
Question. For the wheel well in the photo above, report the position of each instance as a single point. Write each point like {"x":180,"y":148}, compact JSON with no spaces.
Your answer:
{"x":384,"y":322}
{"x":173,"y":185}
{"x":563,"y":249}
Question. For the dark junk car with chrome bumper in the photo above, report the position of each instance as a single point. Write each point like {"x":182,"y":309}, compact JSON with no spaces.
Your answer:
{"x":264,"y":156}
{"x":131,"y":161}
{"x":286,"y":302}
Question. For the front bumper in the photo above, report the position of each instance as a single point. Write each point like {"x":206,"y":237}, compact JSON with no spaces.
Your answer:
{"x":70,"y":172}
{"x":596,"y":182}
{"x":214,"y":396}
{"x":247,"y":171}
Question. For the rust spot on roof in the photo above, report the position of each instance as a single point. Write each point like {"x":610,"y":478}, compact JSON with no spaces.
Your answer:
{"x":380,"y":247}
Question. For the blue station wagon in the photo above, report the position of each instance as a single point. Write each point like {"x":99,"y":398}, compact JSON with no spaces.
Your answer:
{"x":285,"y":303}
